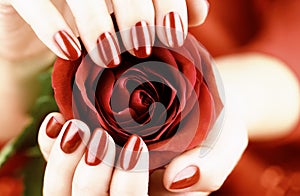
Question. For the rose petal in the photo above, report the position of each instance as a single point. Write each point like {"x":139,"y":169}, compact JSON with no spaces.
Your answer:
{"x":62,"y":83}
{"x":124,"y":100}
{"x":193,"y":130}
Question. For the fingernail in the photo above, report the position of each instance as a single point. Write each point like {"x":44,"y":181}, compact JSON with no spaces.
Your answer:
{"x":53,"y":127}
{"x":67,"y":45}
{"x":71,"y":138}
{"x":131,"y":152}
{"x":97,"y":148}
{"x":141,"y":39}
{"x":186,"y":178}
{"x":174,"y":29}
{"x":108,"y":50}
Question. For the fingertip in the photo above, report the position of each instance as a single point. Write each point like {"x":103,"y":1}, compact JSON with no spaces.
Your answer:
{"x":54,"y":125}
{"x":141,"y":38}
{"x":197,"y":11}
{"x":48,"y":132}
{"x":183,"y":173}
{"x":108,"y":51}
{"x":75,"y":134}
{"x":68,"y":45}
{"x":101,"y":149}
{"x":185,"y":178}
{"x":138,"y":39}
{"x":58,"y":117}
{"x":134,"y":155}
{"x":131,"y":176}
{"x":97,"y":31}
{"x":171,"y":22}
{"x":136,"y":29}
{"x":96,"y":166}
{"x":174,"y":29}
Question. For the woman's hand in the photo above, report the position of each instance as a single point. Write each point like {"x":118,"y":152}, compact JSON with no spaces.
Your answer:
{"x":80,"y":164}
{"x":204,"y":169}
{"x":58,"y":23}
{"x":73,"y":168}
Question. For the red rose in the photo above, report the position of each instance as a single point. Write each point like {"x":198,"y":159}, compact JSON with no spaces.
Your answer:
{"x":169,"y":99}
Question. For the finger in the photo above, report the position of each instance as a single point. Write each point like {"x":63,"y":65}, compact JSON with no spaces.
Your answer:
{"x":49,"y":130}
{"x":135,"y":20}
{"x":197,"y":11}
{"x":96,"y":30}
{"x":131,"y":175}
{"x":93,"y":173}
{"x":50,"y":27}
{"x":201,"y":170}
{"x":171,"y":21}
{"x":66,"y":152}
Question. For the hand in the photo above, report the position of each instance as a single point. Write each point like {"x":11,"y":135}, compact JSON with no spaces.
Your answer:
{"x":58,"y":30}
{"x":205,"y":168}
{"x":73,"y":169}
{"x":214,"y":163}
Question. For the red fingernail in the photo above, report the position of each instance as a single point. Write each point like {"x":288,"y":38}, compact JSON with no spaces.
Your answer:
{"x":108,"y":50}
{"x":131,"y":152}
{"x":141,"y":39}
{"x":53,"y":127}
{"x":174,"y":29}
{"x":71,"y":138}
{"x":186,"y":178}
{"x":97,"y":148}
{"x":67,"y":45}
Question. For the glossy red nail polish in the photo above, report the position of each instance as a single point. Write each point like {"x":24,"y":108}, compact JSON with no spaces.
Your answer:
{"x":71,"y":138}
{"x":174,"y":29}
{"x":186,"y":178}
{"x":108,"y":50}
{"x":97,"y":148}
{"x":67,"y":45}
{"x":53,"y":127}
{"x":141,"y":39}
{"x":131,"y":152}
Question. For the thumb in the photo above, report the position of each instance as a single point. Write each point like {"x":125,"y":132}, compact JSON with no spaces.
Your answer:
{"x":206,"y":172}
